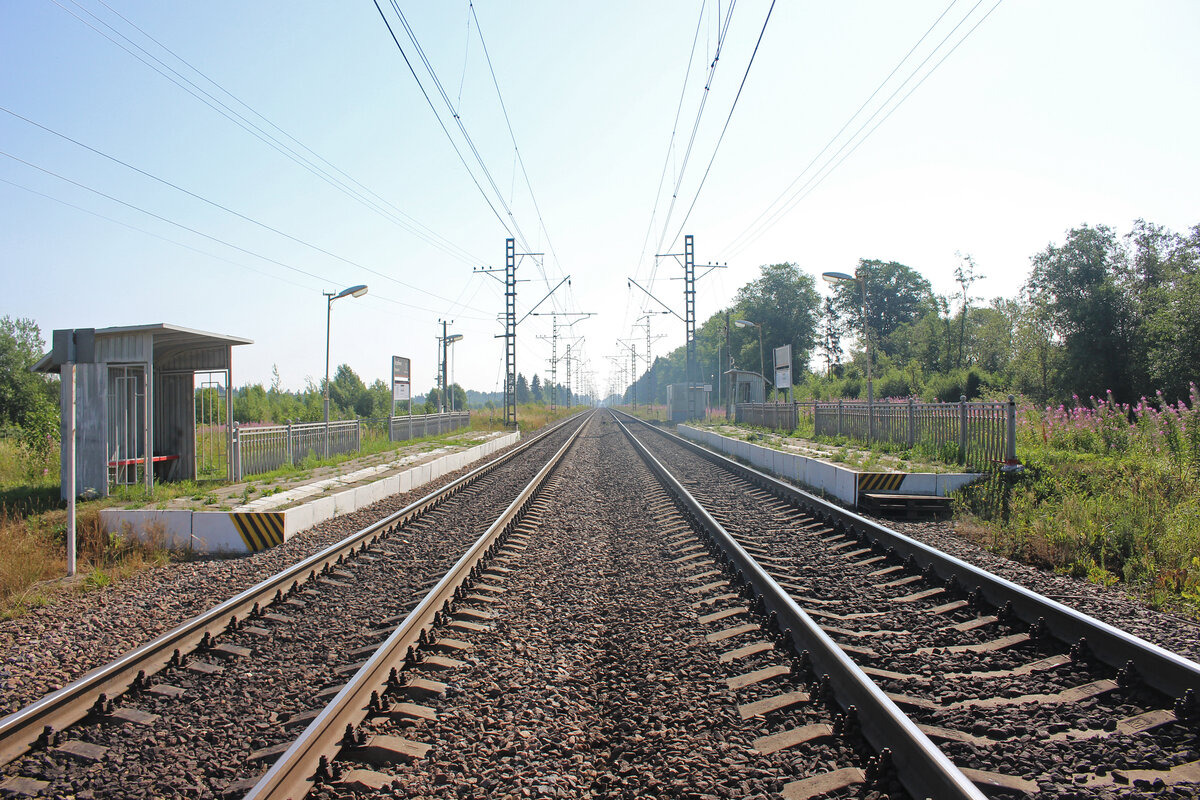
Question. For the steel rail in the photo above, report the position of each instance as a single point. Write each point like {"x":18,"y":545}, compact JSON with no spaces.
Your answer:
{"x":920,"y":765}
{"x":1158,"y":668}
{"x":293,"y":773}
{"x":73,"y":702}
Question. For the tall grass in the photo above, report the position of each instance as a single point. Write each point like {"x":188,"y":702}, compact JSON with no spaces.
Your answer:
{"x":1110,"y":492}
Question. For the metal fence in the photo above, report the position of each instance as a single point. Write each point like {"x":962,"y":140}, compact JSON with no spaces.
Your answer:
{"x":778,"y":416}
{"x":979,"y":435}
{"x":264,"y":448}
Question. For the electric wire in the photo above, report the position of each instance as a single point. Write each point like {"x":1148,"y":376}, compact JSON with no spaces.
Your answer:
{"x":517,"y":150}
{"x":725,"y":128}
{"x":842,"y":130}
{"x":191,"y":230}
{"x":445,"y":130}
{"x":833,"y":162}
{"x":396,"y":216}
{"x":712,"y":71}
{"x":458,"y":121}
{"x":226,"y":209}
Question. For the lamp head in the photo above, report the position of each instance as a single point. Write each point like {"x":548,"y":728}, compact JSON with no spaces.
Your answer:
{"x":454,"y":337}
{"x":745,"y":323}
{"x":837,"y":277}
{"x":353,"y":291}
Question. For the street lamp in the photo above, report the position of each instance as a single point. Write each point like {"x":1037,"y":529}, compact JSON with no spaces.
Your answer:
{"x":841,"y":277}
{"x":353,"y":291}
{"x":745,"y":323}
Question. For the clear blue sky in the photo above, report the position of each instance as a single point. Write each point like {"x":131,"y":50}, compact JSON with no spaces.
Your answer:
{"x":1048,"y":116}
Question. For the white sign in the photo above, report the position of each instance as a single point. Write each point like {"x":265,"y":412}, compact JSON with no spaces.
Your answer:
{"x":401,"y":386}
{"x":783,"y":367}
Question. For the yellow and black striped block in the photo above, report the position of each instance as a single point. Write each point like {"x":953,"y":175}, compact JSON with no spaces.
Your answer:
{"x":259,"y":529}
{"x":880,"y":481}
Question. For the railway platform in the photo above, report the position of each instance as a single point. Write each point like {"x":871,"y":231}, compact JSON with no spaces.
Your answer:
{"x":253,"y":515}
{"x":861,"y":479}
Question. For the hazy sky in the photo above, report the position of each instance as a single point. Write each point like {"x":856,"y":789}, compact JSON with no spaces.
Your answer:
{"x":1047,"y":116}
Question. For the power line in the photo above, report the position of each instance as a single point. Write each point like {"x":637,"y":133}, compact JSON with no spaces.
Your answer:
{"x":830,"y":164}
{"x":445,"y":130}
{"x":225,"y":208}
{"x":408,"y":223}
{"x":528,"y":185}
{"x":721,"y":138}
{"x":845,"y":125}
{"x":723,"y":31}
{"x":457,"y":118}
{"x":671,"y":142}
{"x":191,"y":230}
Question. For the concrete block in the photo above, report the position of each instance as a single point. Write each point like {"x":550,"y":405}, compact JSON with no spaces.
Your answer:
{"x":323,"y":508}
{"x":405,"y":480}
{"x":213,"y":532}
{"x":344,"y":502}
{"x":919,"y":483}
{"x":955,"y":480}
{"x":171,"y":528}
{"x":297,"y":519}
{"x":846,"y":486}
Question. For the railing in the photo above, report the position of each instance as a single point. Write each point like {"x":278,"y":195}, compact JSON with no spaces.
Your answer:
{"x":979,"y":435}
{"x":264,"y":448}
{"x":779,"y":416}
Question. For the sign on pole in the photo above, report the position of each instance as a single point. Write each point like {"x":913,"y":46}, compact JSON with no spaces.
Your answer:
{"x":783,"y":367}
{"x":401,"y":380}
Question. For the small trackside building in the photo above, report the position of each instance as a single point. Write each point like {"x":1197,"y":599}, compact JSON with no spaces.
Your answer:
{"x":135,"y":401}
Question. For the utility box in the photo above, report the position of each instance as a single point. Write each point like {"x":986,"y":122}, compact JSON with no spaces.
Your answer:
{"x":685,"y":404}
{"x":136,"y":403}
{"x":746,"y":386}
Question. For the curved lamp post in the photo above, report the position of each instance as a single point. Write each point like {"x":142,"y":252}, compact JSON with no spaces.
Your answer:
{"x":841,"y":277}
{"x":745,"y":323}
{"x":353,"y":291}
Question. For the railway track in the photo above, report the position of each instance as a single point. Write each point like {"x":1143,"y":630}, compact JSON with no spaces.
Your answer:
{"x":1024,"y":695}
{"x":585,"y":659}
{"x":632,"y":616}
{"x":203,"y":709}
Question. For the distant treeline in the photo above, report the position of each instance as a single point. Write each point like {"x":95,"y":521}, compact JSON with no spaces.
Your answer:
{"x":1099,"y":312}
{"x":350,"y":397}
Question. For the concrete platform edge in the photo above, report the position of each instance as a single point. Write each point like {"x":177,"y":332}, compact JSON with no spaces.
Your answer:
{"x":234,"y":532}
{"x":821,"y":476}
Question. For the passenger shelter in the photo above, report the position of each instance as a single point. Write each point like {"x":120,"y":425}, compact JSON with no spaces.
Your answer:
{"x":138,"y":408}
{"x":747,"y":386}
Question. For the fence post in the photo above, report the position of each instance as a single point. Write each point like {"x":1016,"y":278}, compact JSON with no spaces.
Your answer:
{"x":357,"y":435}
{"x":287,"y":442}
{"x":912,"y":421}
{"x":1010,"y":439}
{"x":962,"y":428}
{"x":236,"y":456}
{"x":840,"y":401}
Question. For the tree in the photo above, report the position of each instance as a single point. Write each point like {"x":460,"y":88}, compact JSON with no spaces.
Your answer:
{"x":1078,"y":286}
{"x":965,"y":273}
{"x":896,"y":295}
{"x":535,"y":389}
{"x":832,"y":327}
{"x":785,"y":302}
{"x":28,"y":400}
{"x":522,"y":389}
{"x":346,"y":392}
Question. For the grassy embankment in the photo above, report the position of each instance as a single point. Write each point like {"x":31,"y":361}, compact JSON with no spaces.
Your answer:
{"x":1109,"y":493}
{"x":33,"y":520}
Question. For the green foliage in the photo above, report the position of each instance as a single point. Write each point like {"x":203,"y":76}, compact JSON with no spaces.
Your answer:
{"x":28,"y":401}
